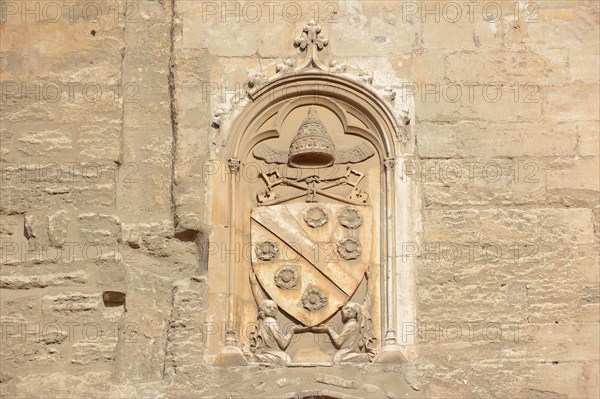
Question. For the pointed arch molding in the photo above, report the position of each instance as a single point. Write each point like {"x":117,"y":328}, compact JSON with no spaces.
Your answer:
{"x":321,"y":88}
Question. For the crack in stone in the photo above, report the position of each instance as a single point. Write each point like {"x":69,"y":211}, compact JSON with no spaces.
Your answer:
{"x":173,"y":109}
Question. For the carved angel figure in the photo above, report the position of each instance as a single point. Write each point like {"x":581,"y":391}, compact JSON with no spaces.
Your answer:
{"x":267,"y":342}
{"x":356,"y":342}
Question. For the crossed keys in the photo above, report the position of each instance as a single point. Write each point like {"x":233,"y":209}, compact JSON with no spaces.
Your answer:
{"x":309,"y":186}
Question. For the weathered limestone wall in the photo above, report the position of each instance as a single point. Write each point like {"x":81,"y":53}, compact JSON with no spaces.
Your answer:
{"x":105,"y":137}
{"x":523,"y":213}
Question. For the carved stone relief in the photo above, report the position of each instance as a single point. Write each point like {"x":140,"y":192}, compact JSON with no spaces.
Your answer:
{"x":266,"y":250}
{"x":314,"y":299}
{"x":313,"y":209}
{"x":313,"y":252}
{"x":287,"y":277}
{"x":349,"y":248}
{"x":315,"y":216}
{"x":350,"y":218}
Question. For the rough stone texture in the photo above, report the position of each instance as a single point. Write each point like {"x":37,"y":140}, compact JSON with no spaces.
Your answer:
{"x":104,"y":190}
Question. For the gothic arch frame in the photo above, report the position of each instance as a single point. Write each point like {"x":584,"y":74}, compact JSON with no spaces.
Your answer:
{"x":323,"y":87}
{"x":380,"y":128}
{"x":362,"y":111}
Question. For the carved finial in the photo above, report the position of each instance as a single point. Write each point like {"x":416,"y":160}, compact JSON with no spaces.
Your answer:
{"x":389,"y":94}
{"x":311,"y":41}
{"x":255,"y":81}
{"x":337,"y":67}
{"x":285,"y":66}
{"x":216,"y":120}
{"x":366,"y":76}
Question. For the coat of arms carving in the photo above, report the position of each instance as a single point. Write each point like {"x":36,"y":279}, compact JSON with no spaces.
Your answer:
{"x":312,"y":246}
{"x":316,"y":148}
{"x":329,"y":261}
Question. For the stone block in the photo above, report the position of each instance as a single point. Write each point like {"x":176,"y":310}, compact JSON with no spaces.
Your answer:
{"x":448,"y":26}
{"x":428,"y":67}
{"x":186,"y":334}
{"x":42,"y":186}
{"x":24,"y":344}
{"x":95,"y":353}
{"x":497,"y":263}
{"x":483,"y":139}
{"x":50,"y":384}
{"x":20,"y":307}
{"x":479,"y":181}
{"x":550,"y":303}
{"x":148,"y":299}
{"x":70,"y":302}
{"x":58,"y":228}
{"x":452,"y":102}
{"x":585,"y":263}
{"x":219,"y":19}
{"x":558,"y":104}
{"x":516,"y":68}
{"x":36,"y":226}
{"x":99,"y":229}
{"x":575,"y":183}
{"x":563,"y":342}
{"x":556,"y":24}
{"x":509,"y":225}
{"x":588,"y":139}
{"x":483,"y":303}
{"x":378,"y":29}
{"x":582,"y":63}
{"x":336,"y":381}
{"x":567,"y":379}
{"x":37,"y":143}
{"x":110,"y":268}
{"x":147,"y":146}
{"x":26,"y":282}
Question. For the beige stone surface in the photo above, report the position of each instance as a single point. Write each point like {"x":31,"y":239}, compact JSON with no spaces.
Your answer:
{"x":112,"y":274}
{"x":527,"y":141}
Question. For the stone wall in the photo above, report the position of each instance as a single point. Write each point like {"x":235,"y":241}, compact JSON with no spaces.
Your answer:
{"x":106,"y":129}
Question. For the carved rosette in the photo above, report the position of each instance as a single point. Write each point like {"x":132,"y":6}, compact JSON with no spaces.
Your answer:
{"x":349,"y":248}
{"x":266,"y":250}
{"x":314,"y":299}
{"x":350,"y":218}
{"x":315,"y":216}
{"x":287,"y":277}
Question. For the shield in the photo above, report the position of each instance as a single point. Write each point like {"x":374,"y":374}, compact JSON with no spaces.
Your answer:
{"x":310,"y":258}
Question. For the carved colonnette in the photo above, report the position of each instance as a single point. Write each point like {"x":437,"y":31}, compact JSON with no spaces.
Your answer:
{"x":312,"y":216}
